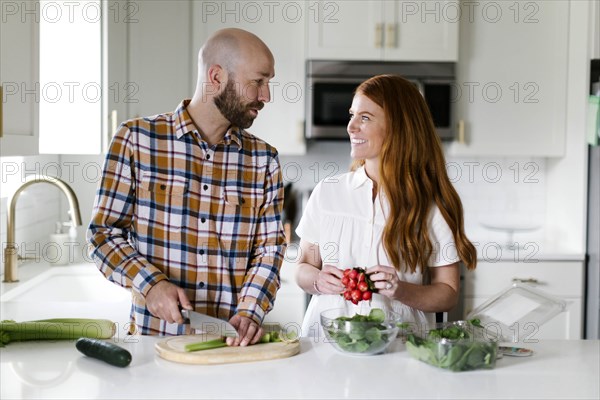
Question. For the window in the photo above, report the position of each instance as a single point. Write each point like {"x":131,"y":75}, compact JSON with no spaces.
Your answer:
{"x":70,"y":108}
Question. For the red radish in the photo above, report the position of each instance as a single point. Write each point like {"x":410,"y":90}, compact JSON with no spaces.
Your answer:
{"x":363,"y":286}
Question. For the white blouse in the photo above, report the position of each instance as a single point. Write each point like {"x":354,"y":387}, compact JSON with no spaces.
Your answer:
{"x":341,"y":218}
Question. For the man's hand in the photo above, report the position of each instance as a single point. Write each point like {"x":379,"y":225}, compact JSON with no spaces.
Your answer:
{"x":249,"y":332}
{"x":163,"y":302}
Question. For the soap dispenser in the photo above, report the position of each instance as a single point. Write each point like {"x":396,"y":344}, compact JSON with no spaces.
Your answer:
{"x":57,"y":250}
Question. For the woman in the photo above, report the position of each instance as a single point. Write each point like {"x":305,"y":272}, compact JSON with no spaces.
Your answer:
{"x":396,"y":213}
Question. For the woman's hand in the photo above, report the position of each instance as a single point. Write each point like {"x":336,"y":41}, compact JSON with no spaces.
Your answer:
{"x":385,"y":279}
{"x":329,"y":280}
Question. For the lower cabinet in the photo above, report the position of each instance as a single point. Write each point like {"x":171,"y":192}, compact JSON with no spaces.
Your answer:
{"x":561,"y":279}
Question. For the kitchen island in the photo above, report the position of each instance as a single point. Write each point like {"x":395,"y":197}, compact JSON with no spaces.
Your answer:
{"x":560,"y":369}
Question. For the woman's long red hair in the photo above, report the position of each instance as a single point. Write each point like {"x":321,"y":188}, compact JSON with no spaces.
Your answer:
{"x":413,"y":176}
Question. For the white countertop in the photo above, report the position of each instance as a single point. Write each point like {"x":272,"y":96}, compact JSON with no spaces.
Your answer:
{"x":557,"y":370}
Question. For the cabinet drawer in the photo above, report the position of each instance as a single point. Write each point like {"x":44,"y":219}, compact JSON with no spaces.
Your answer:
{"x":558,"y":278}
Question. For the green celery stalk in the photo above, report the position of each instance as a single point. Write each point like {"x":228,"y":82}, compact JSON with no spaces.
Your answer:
{"x":209,"y":344}
{"x":272,"y":337}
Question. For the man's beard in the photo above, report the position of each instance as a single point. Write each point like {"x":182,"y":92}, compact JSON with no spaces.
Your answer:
{"x":233,"y":108}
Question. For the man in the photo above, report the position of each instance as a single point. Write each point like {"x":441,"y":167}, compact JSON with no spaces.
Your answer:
{"x":188,"y":212}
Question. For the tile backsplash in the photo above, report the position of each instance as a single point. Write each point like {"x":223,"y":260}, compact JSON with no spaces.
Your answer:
{"x":38,"y":207}
{"x":496,"y":192}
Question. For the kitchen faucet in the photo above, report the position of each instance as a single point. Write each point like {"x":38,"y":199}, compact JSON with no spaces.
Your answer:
{"x":11,"y":251}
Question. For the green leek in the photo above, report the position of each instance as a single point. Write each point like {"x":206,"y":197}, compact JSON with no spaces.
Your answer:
{"x":55,"y":329}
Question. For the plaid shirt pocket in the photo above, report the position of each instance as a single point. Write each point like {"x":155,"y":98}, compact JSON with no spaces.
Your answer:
{"x":161,"y":202}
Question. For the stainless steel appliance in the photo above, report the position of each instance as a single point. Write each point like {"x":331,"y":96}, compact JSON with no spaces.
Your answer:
{"x":592,"y":306}
{"x":331,"y":86}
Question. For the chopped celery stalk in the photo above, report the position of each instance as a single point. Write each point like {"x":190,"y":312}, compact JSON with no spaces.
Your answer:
{"x":271,"y":337}
{"x":207,"y":345}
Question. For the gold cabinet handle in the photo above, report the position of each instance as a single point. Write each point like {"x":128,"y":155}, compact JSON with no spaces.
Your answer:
{"x":1,"y":111}
{"x":390,"y":36}
{"x":113,"y":123}
{"x":461,"y":132}
{"x":378,"y":35}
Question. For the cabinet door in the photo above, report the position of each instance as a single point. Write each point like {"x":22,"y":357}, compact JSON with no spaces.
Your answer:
{"x":281,"y":122}
{"x":19,"y":78}
{"x":512,"y":79}
{"x":352,"y":30}
{"x":421,"y":31}
{"x":160,"y":60}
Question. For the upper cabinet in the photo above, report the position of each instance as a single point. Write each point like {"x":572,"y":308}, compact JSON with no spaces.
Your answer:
{"x":160,"y":62}
{"x":383,"y":30}
{"x":512,"y":79}
{"x":19,"y":79}
{"x":281,"y":27}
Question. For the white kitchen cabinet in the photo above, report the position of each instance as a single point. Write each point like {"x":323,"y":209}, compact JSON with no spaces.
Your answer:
{"x":19,"y":78}
{"x":383,"y":30}
{"x":561,"y":279}
{"x":161,"y":66}
{"x":512,"y":79}
{"x":281,"y":27}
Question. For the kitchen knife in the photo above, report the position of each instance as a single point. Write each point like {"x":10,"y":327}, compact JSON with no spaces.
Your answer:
{"x":209,"y":324}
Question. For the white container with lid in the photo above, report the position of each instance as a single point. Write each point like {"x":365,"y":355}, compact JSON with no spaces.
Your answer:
{"x":512,"y":312}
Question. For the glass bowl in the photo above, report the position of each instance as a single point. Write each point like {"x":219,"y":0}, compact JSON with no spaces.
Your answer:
{"x":455,"y":346}
{"x":358,"y":334}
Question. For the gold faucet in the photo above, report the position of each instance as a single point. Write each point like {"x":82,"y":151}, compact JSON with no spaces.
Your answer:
{"x":11,"y":251}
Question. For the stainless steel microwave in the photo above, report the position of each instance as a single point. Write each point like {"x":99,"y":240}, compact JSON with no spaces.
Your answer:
{"x":331,"y":86}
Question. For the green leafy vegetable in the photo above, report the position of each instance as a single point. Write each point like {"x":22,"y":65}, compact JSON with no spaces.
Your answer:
{"x":360,"y":333}
{"x":453,"y":348}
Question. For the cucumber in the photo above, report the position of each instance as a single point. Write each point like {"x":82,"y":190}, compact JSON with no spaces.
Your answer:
{"x":105,"y":351}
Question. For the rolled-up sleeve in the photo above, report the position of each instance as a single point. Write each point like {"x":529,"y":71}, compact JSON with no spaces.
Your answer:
{"x":262,"y":280}
{"x":109,"y":232}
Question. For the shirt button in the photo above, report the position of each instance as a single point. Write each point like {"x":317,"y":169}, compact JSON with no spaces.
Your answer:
{"x":203,"y":220}
{"x":201,"y":285}
{"x":163,"y":187}
{"x":205,"y":187}
{"x":208,"y":156}
{"x":201,"y":252}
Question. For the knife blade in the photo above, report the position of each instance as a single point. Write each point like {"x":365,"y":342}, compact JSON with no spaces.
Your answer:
{"x":208,"y":324}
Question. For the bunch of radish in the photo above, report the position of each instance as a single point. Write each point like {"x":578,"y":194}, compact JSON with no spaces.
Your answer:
{"x":358,"y":285}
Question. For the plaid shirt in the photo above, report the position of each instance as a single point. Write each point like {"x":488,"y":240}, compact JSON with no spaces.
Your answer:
{"x":208,"y":219}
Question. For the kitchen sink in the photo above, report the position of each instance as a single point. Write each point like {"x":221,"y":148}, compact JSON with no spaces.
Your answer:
{"x":74,"y":291}
{"x":77,"y":283}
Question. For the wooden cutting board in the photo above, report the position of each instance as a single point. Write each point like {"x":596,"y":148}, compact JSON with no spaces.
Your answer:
{"x":172,"y":349}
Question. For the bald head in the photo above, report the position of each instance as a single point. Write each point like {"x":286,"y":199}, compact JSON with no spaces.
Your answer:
{"x":229,"y":47}
{"x":235,"y":68}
